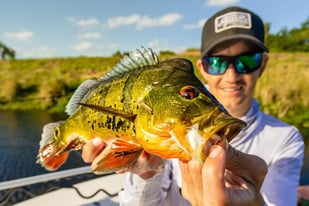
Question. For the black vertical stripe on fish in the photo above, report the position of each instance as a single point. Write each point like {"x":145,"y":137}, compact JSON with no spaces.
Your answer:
{"x":128,"y":87}
{"x":103,"y":93}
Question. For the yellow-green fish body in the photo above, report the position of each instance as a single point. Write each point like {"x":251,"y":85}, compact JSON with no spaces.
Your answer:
{"x":142,"y":104}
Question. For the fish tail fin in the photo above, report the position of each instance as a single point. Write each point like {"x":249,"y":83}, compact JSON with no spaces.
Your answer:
{"x":51,"y":156}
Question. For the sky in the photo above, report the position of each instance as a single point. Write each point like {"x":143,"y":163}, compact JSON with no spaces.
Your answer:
{"x":72,"y":28}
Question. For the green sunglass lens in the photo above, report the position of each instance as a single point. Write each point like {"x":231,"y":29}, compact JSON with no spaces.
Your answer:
{"x":217,"y":66}
{"x":249,"y":63}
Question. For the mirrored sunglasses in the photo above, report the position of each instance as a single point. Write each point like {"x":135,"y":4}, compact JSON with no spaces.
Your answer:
{"x":243,"y":64}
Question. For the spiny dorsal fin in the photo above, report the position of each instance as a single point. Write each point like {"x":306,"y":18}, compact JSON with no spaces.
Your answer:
{"x":79,"y":95}
{"x":139,"y":58}
{"x":108,"y":110}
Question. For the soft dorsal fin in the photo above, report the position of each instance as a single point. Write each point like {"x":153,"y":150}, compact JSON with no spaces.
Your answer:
{"x":137,"y":59}
{"x":78,"y":95}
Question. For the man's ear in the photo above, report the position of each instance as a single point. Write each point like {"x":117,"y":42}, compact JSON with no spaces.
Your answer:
{"x":199,"y":65}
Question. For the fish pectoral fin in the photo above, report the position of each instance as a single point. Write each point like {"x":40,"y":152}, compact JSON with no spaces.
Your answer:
{"x":146,"y":107}
{"x":117,"y":155}
{"x":108,"y":110}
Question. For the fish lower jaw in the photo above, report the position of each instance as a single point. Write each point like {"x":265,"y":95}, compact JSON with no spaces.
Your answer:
{"x":196,"y":143}
{"x":51,"y":158}
{"x":200,"y":142}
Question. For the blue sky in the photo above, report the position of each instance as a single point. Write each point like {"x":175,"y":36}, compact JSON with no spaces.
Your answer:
{"x":68,"y":28}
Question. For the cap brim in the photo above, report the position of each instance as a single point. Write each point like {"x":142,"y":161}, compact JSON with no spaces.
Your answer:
{"x":235,"y":36}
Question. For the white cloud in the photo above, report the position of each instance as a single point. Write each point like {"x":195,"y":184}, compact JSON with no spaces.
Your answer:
{"x":90,"y":35}
{"x":221,"y":2}
{"x":92,"y":21}
{"x":122,"y":20}
{"x":86,"y":46}
{"x":113,"y":46}
{"x":166,"y":20}
{"x":198,"y":25}
{"x":158,"y":45}
{"x":18,"y":36}
{"x":88,"y":22}
{"x":143,"y":21}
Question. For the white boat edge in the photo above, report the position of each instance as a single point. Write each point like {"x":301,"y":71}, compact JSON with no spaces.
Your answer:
{"x":68,"y":196}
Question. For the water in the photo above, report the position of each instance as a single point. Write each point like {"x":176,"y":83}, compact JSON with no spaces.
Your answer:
{"x":20,"y":133}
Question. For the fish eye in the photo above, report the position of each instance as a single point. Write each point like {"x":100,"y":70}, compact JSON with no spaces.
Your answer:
{"x":189,"y":92}
{"x":57,"y":132}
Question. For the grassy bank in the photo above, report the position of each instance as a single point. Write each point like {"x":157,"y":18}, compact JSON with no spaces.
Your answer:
{"x":47,"y":84}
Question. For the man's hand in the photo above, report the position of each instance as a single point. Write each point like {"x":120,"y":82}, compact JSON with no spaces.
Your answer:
{"x":302,"y":193}
{"x":226,"y":178}
{"x":146,"y":166}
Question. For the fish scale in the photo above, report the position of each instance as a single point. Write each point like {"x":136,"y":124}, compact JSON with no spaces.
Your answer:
{"x":141,"y":105}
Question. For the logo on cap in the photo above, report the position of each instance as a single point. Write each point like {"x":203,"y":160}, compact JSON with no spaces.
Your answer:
{"x":232,"y":20}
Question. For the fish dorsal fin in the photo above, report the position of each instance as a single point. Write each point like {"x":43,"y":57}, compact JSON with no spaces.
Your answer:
{"x":135,"y":59}
{"x":79,"y":95}
{"x":129,"y":116}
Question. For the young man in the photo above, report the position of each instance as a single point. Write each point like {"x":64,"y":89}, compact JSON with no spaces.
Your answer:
{"x":233,"y":57}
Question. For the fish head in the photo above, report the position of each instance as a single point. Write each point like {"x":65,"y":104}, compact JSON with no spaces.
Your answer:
{"x":178,"y":115}
{"x":55,"y":146}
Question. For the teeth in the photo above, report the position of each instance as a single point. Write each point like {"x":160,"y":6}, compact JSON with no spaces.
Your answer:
{"x":230,"y":89}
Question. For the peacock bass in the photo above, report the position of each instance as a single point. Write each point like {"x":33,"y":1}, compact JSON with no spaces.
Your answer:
{"x":140,"y":105}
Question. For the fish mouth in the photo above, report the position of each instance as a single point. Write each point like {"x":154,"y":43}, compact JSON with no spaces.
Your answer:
{"x":216,"y":128}
{"x":221,"y":124}
{"x":231,"y":129}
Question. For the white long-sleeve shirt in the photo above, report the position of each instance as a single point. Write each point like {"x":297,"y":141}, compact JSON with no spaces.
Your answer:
{"x":279,"y":144}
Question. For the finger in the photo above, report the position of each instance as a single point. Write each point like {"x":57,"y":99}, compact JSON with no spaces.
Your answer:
{"x":186,"y":179}
{"x":92,"y":149}
{"x":250,"y":167}
{"x":214,"y":140}
{"x":303,"y":191}
{"x":122,"y":171}
{"x":192,"y":186}
{"x":213,"y":176}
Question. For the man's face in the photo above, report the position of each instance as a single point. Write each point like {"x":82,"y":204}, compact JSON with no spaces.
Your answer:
{"x":234,"y":91}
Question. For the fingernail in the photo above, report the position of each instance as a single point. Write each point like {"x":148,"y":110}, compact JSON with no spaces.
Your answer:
{"x":97,"y":141}
{"x":215,"y":150}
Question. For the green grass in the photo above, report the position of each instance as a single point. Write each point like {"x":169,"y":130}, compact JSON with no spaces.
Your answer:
{"x":47,"y":84}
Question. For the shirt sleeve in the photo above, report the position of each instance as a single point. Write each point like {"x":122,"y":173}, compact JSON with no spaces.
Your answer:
{"x":162,"y":189}
{"x":281,"y":182}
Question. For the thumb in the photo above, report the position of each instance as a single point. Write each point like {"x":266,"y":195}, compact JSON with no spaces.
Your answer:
{"x":213,"y":175}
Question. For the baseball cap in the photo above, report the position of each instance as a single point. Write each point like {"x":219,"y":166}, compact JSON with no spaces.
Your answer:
{"x":232,"y":23}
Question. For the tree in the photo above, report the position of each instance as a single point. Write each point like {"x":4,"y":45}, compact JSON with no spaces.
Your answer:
{"x":266,"y":29}
{"x":6,"y":52}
